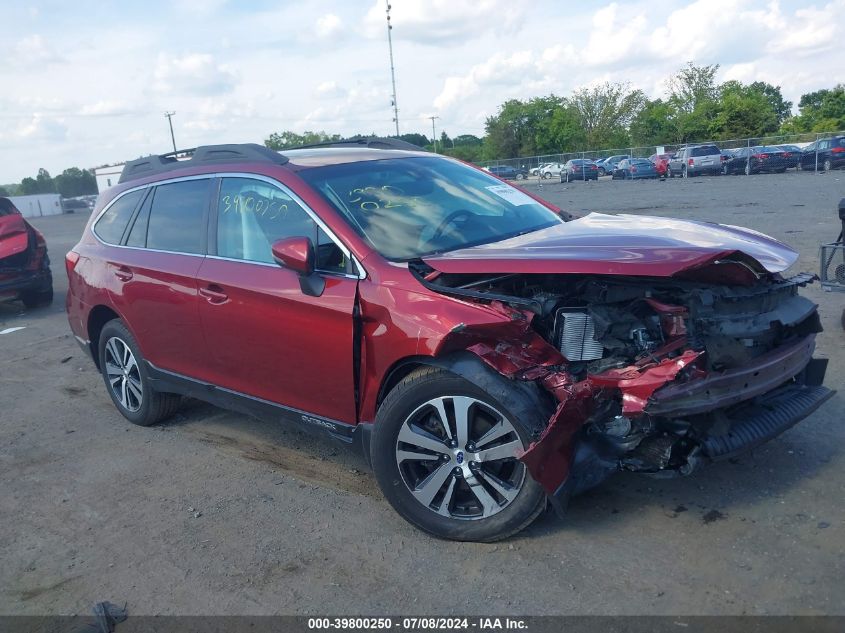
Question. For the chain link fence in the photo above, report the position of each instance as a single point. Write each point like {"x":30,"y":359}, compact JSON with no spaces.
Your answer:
{"x":810,"y":151}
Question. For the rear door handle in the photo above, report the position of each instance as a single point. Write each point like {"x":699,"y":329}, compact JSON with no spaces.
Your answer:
{"x":214,"y":294}
{"x":123,"y":273}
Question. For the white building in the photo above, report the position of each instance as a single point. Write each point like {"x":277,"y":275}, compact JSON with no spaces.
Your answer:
{"x":36,"y":205}
{"x":107,"y":176}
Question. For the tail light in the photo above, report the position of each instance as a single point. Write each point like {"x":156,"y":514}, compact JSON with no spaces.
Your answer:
{"x":837,"y":150}
{"x":574,"y":169}
{"x":70,"y":261}
{"x":787,"y":154}
{"x":762,"y":156}
{"x":633,"y":169}
{"x":593,"y":167}
{"x":723,"y":158}
{"x":691,"y":162}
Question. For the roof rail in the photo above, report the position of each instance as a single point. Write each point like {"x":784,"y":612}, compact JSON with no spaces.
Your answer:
{"x":372,"y":142}
{"x":204,"y":155}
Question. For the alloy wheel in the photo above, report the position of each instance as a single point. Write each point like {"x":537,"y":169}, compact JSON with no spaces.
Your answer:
{"x":456,"y":455}
{"x":124,"y":375}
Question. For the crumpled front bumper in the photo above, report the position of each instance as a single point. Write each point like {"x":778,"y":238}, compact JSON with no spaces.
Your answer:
{"x":759,"y":401}
{"x":727,"y":388}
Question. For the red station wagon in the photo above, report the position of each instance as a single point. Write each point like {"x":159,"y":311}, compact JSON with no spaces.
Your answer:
{"x":488,"y":352}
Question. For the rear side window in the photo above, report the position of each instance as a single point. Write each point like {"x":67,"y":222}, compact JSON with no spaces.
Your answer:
{"x":706,"y":150}
{"x":176,"y":216}
{"x":112,"y":223}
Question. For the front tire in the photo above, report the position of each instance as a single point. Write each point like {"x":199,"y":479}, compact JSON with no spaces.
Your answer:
{"x":827,"y":165}
{"x":127,"y":382}
{"x":443,"y":452}
{"x":520,"y":177}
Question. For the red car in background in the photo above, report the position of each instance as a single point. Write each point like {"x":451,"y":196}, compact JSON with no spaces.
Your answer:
{"x":24,"y":264}
{"x":487,"y":352}
{"x":661,"y":163}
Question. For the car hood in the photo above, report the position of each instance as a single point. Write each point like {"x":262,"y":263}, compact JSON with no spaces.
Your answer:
{"x":621,"y":245}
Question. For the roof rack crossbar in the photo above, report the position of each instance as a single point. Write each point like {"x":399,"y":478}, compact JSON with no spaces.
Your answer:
{"x":203,"y":155}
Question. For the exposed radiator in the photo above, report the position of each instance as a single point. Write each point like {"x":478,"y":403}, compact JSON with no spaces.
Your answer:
{"x":575,"y":334}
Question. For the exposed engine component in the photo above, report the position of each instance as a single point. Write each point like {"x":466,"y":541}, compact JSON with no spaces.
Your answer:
{"x":575,"y":335}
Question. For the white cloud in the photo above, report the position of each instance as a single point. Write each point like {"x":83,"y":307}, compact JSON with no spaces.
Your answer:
{"x":40,"y":128}
{"x":500,"y":70}
{"x":31,"y":51}
{"x":329,"y":90}
{"x":439,"y":21}
{"x":812,"y":30}
{"x":106,"y":107}
{"x":194,"y":73}
{"x":614,"y":38}
{"x":328,"y":25}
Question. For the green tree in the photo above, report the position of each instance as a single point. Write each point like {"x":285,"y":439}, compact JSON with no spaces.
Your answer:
{"x":45,"y":181}
{"x":693,"y":86}
{"x":606,"y":111}
{"x":4,"y":193}
{"x":692,"y":97}
{"x":819,"y":111}
{"x":287,"y":139}
{"x":742,"y":111}
{"x":414,"y":138}
{"x":781,"y":107}
{"x":654,"y":124}
{"x":506,"y":130}
{"x":28,"y":186}
{"x":74,"y":182}
{"x":467,"y":140}
{"x":565,"y":131}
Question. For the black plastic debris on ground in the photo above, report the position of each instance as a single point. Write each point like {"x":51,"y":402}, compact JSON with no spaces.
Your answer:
{"x":107,"y":616}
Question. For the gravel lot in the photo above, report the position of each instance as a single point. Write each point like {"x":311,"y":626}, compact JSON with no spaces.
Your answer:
{"x":216,"y":513}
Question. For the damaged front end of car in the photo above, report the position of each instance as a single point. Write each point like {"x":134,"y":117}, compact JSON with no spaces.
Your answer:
{"x":655,"y":375}
{"x":24,"y":264}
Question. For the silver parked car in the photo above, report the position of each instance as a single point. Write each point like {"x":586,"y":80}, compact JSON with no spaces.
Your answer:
{"x":695,"y":160}
{"x":552,"y":169}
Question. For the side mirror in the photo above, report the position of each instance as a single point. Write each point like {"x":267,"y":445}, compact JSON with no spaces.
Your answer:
{"x":297,"y":254}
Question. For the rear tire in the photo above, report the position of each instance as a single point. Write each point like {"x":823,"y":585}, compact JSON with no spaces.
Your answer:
{"x":479,"y":495}
{"x":127,"y":382}
{"x":827,"y":165}
{"x":37,"y":298}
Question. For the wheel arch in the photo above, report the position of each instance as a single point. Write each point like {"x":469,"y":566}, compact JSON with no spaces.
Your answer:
{"x":97,"y":319}
{"x":524,"y":399}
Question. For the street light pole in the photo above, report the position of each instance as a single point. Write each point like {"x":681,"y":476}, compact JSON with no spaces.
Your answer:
{"x":434,"y":132}
{"x":170,"y":121}
{"x":392,"y":70}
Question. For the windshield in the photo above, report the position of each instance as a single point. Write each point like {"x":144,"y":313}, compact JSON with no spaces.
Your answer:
{"x":410,"y":207}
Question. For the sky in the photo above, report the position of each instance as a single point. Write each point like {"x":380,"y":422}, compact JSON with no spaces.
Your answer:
{"x":87,"y":83}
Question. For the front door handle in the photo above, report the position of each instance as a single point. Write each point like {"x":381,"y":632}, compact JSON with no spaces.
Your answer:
{"x":214,"y":294}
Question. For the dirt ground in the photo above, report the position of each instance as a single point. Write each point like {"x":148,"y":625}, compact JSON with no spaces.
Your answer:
{"x":217,"y":513}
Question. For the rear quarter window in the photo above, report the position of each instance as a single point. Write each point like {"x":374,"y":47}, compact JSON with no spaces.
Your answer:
{"x":707,"y":150}
{"x":112,"y":223}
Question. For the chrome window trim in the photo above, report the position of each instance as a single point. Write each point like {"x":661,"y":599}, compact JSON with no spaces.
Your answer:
{"x":361,"y":274}
{"x":269,"y":265}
